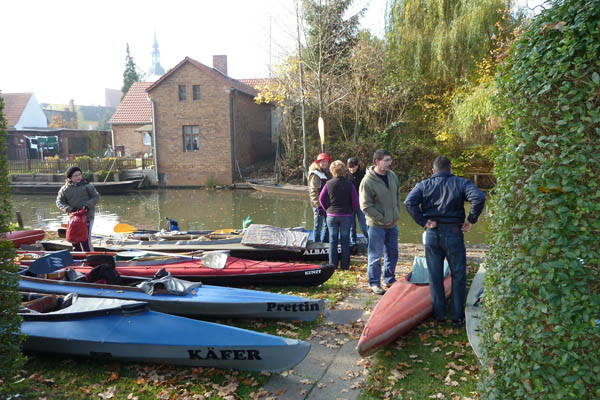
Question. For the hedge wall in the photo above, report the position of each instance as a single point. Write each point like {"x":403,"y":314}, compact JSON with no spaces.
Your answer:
{"x":541,"y":331}
{"x":10,"y":324}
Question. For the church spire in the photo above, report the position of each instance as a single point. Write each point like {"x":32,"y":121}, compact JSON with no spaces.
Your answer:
{"x":156,"y":70}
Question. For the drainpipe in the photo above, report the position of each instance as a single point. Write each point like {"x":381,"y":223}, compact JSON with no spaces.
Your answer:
{"x":112,"y":138}
{"x":233,"y":134}
{"x":154,"y":141}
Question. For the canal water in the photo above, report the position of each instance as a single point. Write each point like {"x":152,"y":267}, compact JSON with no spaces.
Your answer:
{"x":197,"y":209}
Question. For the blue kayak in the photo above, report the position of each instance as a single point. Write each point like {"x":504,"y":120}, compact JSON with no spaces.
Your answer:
{"x":127,"y":330}
{"x":176,"y":296}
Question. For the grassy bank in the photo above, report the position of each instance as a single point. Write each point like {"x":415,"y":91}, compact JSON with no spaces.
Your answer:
{"x":432,"y":361}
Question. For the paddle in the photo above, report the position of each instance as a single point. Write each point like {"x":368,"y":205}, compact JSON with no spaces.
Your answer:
{"x":51,"y":262}
{"x":224,"y":231}
{"x":210,"y":259}
{"x":124,"y":228}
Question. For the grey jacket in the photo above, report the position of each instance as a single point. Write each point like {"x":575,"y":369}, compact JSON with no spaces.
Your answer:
{"x":74,"y":196}
{"x":381,"y":204}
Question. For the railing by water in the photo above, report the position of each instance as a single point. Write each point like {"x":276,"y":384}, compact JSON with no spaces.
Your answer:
{"x":86,"y":164}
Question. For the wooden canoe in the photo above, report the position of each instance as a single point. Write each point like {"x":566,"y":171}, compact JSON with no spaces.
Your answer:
{"x":285,"y":188}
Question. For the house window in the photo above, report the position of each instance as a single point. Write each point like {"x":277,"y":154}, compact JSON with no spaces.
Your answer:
{"x":182,"y":93}
{"x":147,"y":138}
{"x":196,"y":92}
{"x":191,"y":138}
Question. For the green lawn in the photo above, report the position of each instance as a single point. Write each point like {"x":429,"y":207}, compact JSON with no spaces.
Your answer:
{"x":432,"y":361}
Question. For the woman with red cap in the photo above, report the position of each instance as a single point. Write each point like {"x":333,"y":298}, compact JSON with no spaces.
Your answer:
{"x":318,"y":174}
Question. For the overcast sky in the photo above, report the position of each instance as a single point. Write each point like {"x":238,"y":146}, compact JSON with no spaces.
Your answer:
{"x":63,"y":49}
{"x":74,"y":49}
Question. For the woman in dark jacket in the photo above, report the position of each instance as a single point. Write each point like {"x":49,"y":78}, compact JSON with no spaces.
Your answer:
{"x":340,"y":199}
{"x":76,"y":194}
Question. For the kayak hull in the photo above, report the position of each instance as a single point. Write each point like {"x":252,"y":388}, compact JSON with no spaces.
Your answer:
{"x":237,"y":271}
{"x":205,"y":301}
{"x":474,"y":312}
{"x":24,"y":237}
{"x":141,"y":335}
{"x":401,"y":308}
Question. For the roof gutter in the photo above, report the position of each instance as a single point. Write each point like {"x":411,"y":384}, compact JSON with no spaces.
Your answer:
{"x":154,"y":141}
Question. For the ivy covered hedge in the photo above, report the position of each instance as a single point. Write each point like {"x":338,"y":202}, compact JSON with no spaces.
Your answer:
{"x":541,"y":331}
{"x":10,"y":324}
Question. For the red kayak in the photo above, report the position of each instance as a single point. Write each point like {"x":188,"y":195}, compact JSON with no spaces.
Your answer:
{"x":401,"y":308}
{"x":237,"y":271}
{"x":19,"y":238}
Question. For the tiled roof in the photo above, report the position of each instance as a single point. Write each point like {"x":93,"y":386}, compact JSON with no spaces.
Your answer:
{"x":14,"y":105}
{"x":217,"y":75}
{"x":135,"y":108}
{"x":254,"y":82}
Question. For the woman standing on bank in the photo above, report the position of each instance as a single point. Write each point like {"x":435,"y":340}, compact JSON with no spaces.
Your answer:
{"x":76,"y":194}
{"x":340,"y":199}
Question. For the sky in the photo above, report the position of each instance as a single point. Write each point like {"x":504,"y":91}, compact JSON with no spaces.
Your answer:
{"x":62,"y":49}
{"x":74,"y":49}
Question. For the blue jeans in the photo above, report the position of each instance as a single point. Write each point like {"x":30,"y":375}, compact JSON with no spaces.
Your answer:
{"x":339,"y":226}
{"x":320,"y":222}
{"x":380,"y":238}
{"x":447,"y":241}
{"x":362,"y":221}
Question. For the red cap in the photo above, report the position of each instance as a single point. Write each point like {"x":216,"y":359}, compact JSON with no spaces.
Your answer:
{"x":323,"y":156}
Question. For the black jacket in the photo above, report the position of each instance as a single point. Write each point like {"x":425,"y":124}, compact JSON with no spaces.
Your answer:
{"x":356,"y":177}
{"x":441,"y":198}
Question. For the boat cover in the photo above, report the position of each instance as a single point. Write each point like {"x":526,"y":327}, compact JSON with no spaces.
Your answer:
{"x":173,"y":285}
{"x":273,"y":237}
{"x":420,"y":274}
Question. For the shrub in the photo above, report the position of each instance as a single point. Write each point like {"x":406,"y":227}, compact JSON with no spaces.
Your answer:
{"x":541,"y":330}
{"x":11,"y":359}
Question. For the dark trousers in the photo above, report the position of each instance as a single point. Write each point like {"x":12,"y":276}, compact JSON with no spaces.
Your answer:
{"x":87,"y":245}
{"x":447,"y":241}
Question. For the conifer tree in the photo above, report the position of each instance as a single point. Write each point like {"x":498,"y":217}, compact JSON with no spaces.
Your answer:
{"x":130,"y":75}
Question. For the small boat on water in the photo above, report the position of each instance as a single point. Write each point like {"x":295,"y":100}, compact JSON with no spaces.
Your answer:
{"x":474,"y":311}
{"x":237,"y":271}
{"x":401,"y":308}
{"x":277,"y":188}
{"x":175,"y":296}
{"x":19,"y":238}
{"x":53,"y":187}
{"x":128,"y":330}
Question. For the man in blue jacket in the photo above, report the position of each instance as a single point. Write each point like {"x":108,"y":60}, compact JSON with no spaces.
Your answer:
{"x":437,"y":204}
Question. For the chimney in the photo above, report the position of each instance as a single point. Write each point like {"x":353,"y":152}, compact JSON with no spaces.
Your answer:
{"x":220,"y":64}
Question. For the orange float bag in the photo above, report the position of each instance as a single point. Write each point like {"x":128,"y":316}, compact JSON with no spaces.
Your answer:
{"x":77,"y":230}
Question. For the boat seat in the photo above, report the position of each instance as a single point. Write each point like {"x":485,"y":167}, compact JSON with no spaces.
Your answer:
{"x":42,"y":304}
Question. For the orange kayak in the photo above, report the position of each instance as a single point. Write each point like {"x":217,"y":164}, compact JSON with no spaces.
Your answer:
{"x":401,"y":308}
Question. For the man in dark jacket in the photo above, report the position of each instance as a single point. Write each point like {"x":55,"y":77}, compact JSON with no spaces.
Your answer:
{"x":437,"y":204}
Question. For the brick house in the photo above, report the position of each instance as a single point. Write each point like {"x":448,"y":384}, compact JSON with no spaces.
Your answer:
{"x":132,"y":122}
{"x":208,"y":127}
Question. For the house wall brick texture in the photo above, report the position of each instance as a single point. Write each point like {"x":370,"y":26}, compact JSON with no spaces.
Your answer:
{"x":126,"y":135}
{"x":253,"y":131}
{"x":212,"y":114}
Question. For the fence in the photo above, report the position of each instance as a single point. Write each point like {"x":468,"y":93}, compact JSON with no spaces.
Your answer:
{"x":52,"y":166}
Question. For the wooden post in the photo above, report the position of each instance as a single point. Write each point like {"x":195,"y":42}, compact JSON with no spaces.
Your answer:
{"x":19,"y":219}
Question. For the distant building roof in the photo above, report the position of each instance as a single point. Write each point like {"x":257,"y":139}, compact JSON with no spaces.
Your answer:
{"x":254,"y":82}
{"x":14,"y":105}
{"x":112,"y":97}
{"x":135,"y":107}
{"x":216,"y":74}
